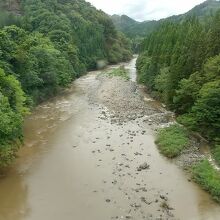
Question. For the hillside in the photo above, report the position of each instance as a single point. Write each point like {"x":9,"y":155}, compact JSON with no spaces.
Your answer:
{"x":123,"y":22}
{"x":179,"y":62}
{"x":135,"y":29}
{"x":201,"y":11}
{"x":208,"y":7}
{"x":51,"y":43}
{"x":132,"y":28}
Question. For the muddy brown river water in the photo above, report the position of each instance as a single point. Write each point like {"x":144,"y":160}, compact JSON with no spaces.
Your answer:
{"x":75,"y":165}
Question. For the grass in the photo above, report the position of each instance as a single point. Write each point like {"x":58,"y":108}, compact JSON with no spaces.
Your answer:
{"x":172,"y":140}
{"x":121,"y":72}
{"x":216,"y":154}
{"x":208,"y":177}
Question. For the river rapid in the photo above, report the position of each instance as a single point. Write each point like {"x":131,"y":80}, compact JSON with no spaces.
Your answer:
{"x":81,"y":156}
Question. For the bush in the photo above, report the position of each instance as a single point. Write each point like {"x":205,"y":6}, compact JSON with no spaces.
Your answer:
{"x":209,"y":178}
{"x":12,"y":111}
{"x":172,"y":140}
{"x":206,"y":110}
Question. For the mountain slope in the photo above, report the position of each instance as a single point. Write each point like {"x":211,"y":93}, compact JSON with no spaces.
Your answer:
{"x":206,"y":8}
{"x":134,"y":29}
{"x":123,"y":22}
{"x":201,"y":11}
{"x":54,"y":43}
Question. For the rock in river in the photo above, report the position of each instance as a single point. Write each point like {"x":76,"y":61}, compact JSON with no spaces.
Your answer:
{"x":143,"y":166}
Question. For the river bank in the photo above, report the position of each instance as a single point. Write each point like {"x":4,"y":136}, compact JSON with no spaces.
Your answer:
{"x":90,"y":154}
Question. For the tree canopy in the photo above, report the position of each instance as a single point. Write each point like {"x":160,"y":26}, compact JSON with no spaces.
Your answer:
{"x":44,"y":46}
{"x":180,"y":64}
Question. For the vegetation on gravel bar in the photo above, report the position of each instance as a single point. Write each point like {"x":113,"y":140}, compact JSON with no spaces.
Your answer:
{"x":208,"y":177}
{"x":172,"y":140}
{"x":121,"y":72}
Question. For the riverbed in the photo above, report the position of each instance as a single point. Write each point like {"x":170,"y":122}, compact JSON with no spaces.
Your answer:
{"x":82,"y":155}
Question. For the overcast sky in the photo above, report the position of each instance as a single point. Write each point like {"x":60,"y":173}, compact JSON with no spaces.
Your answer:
{"x":145,"y":9}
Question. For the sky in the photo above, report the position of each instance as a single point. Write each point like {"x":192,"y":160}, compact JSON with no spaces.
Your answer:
{"x":142,"y":10}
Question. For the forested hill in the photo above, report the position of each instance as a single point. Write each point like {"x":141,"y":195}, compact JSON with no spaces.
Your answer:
{"x":201,"y":11}
{"x":134,"y":29}
{"x":50,"y":44}
{"x":209,"y":7}
{"x":123,"y":22}
{"x":180,"y":64}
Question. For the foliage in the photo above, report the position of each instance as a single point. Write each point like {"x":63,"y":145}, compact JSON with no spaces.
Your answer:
{"x":216,"y":154}
{"x":180,"y":62}
{"x":58,"y":41}
{"x":172,"y":140}
{"x":33,"y":59}
{"x":12,"y":110}
{"x":7,"y":18}
{"x":208,"y":178}
{"x":76,"y":28}
{"x":51,"y":43}
{"x":161,"y":83}
{"x":143,"y":66}
{"x":206,"y":110}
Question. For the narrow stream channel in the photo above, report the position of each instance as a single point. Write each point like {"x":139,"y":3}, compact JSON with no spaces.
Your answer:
{"x":66,"y":172}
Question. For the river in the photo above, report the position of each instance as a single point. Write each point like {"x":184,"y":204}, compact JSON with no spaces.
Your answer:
{"x":75,"y":166}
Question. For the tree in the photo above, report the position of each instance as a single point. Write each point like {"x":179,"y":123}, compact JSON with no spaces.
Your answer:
{"x":207,"y":111}
{"x":12,"y":111}
{"x":180,"y":63}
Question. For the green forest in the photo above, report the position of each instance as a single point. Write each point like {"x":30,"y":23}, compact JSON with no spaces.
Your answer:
{"x":137,"y":31}
{"x":179,"y":64}
{"x":44,"y":46}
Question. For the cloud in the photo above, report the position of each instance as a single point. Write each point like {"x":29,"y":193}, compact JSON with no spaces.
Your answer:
{"x":145,"y":9}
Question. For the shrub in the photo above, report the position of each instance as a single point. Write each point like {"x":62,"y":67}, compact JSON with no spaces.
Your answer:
{"x":172,"y":140}
{"x":209,"y":178}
